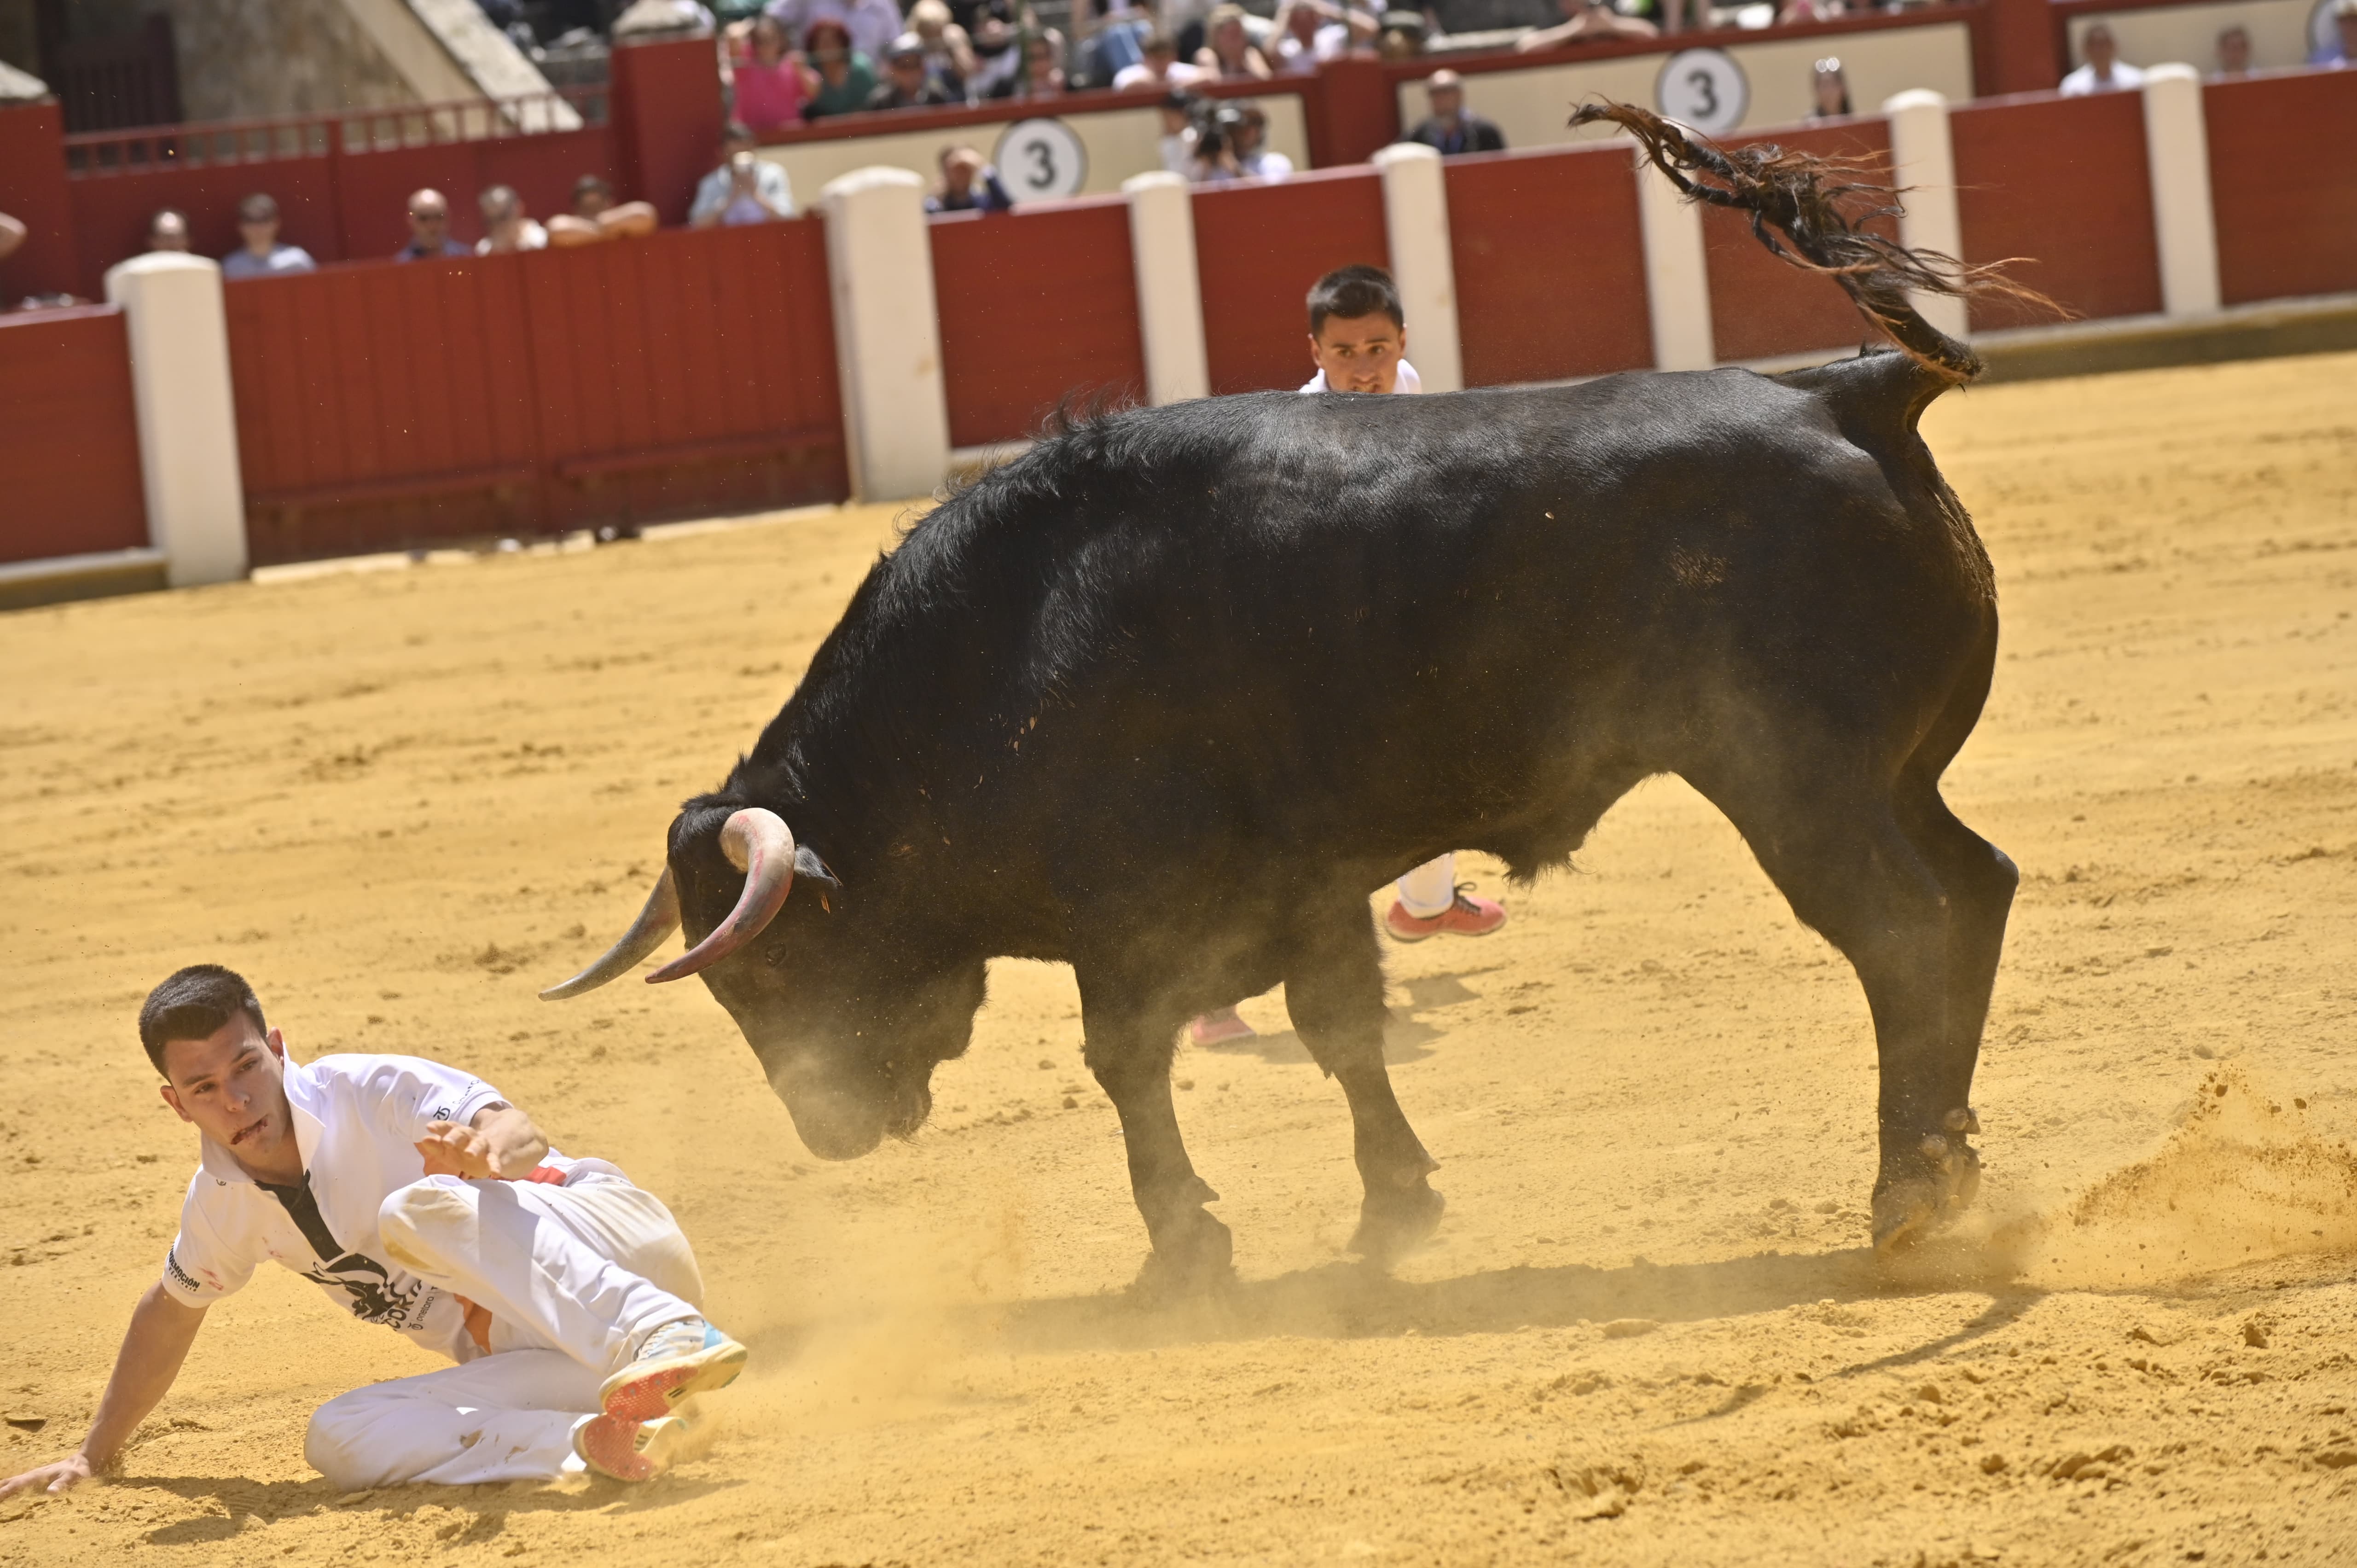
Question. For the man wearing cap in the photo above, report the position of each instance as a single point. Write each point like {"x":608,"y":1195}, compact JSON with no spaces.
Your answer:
{"x":908,"y":80}
{"x":1452,"y":128}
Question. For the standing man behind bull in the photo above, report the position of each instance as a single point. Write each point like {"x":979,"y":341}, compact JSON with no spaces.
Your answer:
{"x":416,"y":1196}
{"x":1358,"y":340}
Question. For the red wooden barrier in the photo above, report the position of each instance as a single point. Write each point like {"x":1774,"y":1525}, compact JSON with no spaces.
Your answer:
{"x":689,"y":373}
{"x":1035,"y":306}
{"x":2283,"y":184}
{"x":68,"y":438}
{"x":392,"y":405}
{"x":1257,"y":251}
{"x":1550,"y":266}
{"x":2061,"y":181}
{"x":1761,"y":308}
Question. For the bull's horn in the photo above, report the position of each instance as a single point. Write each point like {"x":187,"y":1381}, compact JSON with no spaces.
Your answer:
{"x":758,"y":843}
{"x":656,"y":922}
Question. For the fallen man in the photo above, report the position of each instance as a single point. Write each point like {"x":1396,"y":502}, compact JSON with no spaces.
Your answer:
{"x":417,"y":1198}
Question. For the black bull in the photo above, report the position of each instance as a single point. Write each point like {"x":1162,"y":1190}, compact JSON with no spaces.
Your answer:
{"x":1167,"y":697}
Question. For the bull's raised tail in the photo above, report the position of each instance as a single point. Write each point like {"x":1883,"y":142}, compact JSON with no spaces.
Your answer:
{"x":1821,"y":208}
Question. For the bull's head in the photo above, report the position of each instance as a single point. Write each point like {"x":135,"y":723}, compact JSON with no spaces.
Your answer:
{"x":848,"y":1023}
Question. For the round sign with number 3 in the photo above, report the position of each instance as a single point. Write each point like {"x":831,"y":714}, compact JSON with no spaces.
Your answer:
{"x":1039,"y":158}
{"x":1703,"y":88}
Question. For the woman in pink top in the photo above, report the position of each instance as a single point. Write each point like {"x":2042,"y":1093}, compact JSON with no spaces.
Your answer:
{"x":772,"y":87}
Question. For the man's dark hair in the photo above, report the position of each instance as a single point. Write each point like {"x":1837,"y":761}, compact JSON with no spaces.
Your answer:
{"x":259,"y":207}
{"x":191,"y":1004}
{"x":1352,"y":292}
{"x":589,"y":183}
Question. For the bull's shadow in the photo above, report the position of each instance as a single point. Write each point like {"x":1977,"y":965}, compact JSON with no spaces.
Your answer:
{"x":1347,"y":1301}
{"x":1407,"y":1036}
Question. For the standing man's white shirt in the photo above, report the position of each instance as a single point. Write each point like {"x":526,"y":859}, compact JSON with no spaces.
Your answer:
{"x":1406,"y":381}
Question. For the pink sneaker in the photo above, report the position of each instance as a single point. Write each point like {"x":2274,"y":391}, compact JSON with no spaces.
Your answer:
{"x":1218,"y":1027}
{"x":1468,"y":917}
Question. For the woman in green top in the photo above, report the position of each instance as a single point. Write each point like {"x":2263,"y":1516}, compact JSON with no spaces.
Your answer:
{"x":846,"y":78}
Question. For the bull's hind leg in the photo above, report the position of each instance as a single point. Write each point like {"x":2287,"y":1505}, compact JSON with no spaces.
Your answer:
{"x":1334,"y":991}
{"x":1130,"y":1055}
{"x":1843,"y":859}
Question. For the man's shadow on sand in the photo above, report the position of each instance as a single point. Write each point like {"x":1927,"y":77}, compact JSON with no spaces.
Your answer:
{"x":484,"y":1509}
{"x":1408,"y":1037}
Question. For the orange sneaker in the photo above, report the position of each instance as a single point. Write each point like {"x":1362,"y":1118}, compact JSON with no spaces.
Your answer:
{"x":1218,"y":1026}
{"x":631,"y":1450}
{"x":1467,"y":916}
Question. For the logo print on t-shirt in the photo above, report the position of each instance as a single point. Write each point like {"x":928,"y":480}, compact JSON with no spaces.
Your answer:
{"x":375,"y":1297}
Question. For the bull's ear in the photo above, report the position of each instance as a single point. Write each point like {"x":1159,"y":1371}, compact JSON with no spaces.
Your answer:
{"x":809,"y":867}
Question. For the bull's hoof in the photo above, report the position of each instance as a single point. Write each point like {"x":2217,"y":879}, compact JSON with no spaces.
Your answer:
{"x":1393,"y":1223}
{"x":1927,"y":1194}
{"x":1190,"y":1259}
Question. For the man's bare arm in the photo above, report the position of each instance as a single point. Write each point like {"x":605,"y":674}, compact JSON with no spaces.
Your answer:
{"x":157,"y":1341}
{"x":500,"y":1142}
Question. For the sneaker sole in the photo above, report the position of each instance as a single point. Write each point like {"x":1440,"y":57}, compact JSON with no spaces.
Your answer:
{"x":645,"y":1393}
{"x":610,"y":1447}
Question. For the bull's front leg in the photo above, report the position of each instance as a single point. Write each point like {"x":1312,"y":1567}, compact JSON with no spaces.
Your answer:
{"x":1192,"y":1251}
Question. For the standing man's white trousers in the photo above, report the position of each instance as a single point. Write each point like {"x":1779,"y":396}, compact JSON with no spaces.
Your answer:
{"x":575,"y":1277}
{"x":1431,"y":887}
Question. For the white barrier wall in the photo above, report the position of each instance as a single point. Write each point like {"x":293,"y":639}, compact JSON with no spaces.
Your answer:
{"x":887,"y":334}
{"x":178,"y":333}
{"x":1169,"y":289}
{"x":1923,"y":168}
{"x":2176,"y":157}
{"x":2277,"y":29}
{"x":1416,"y":223}
{"x":1677,"y":280}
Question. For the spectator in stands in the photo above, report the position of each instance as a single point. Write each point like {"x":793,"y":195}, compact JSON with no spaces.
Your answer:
{"x":968,"y":185}
{"x":990,"y":30}
{"x":744,"y":188}
{"x":1111,"y":36}
{"x":1585,"y":21}
{"x":1451,"y":127}
{"x":507,"y":227}
{"x":2341,"y":49}
{"x":1043,"y":68}
{"x":1253,"y":158}
{"x":261,"y":255}
{"x":1828,"y":90}
{"x":907,"y":84}
{"x":1213,"y":159}
{"x":1795,"y":11}
{"x":846,"y":78}
{"x":429,"y":228}
{"x":596,"y":216}
{"x":771,"y":87}
{"x":870,"y":25}
{"x":949,"y":53}
{"x":1400,"y":35}
{"x":1177,"y":111}
{"x":1159,"y":65}
{"x":2105,"y":71}
{"x":1310,"y":32}
{"x":2233,"y":52}
{"x":168,"y":230}
{"x":1228,"y":51}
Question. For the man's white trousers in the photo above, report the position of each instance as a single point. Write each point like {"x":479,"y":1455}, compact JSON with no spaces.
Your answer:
{"x":1430,"y":888}
{"x":575,"y":1277}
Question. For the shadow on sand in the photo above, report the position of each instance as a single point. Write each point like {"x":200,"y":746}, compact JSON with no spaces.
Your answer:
{"x":488,"y":1505}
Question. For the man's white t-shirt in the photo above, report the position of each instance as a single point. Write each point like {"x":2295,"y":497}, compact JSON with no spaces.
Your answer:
{"x":357,"y":1122}
{"x":2082,"y":81}
{"x":1408,"y":381}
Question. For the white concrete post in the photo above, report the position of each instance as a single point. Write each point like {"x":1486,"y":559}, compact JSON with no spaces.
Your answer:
{"x":2177,"y":155}
{"x":1416,"y":220}
{"x":178,"y":333}
{"x":1169,"y":289}
{"x":1923,"y":165}
{"x":1677,"y":280}
{"x":887,"y":334}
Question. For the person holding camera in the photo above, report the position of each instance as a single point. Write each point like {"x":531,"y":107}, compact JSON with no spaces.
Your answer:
{"x":743,"y":189}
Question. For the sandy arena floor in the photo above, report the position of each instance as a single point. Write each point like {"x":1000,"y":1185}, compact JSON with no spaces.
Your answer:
{"x":1649,"y":1332}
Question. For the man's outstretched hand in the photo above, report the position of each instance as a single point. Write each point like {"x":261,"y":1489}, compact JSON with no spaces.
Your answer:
{"x":501,"y":1143}
{"x":53,"y":1479}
